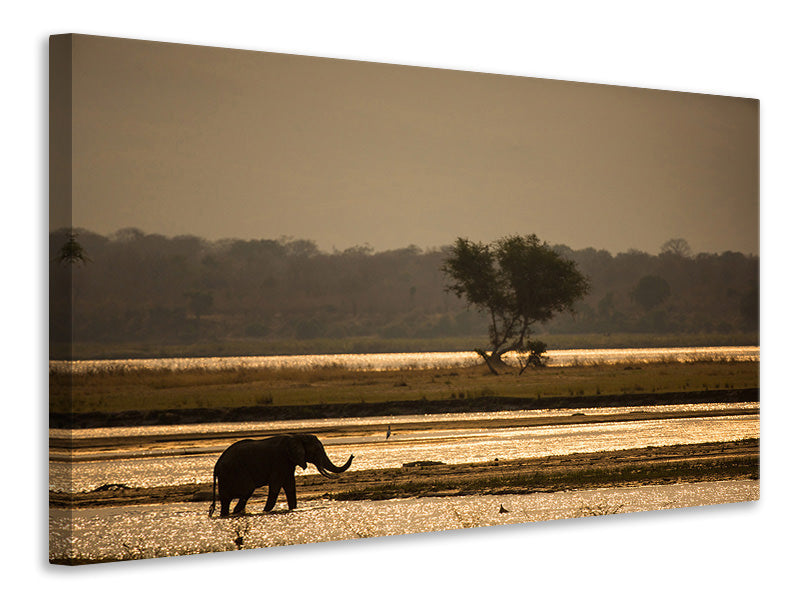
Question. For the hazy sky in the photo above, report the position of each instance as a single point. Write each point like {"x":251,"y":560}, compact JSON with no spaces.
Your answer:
{"x":177,"y":139}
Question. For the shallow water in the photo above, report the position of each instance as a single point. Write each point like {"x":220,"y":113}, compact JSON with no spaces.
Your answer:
{"x":134,"y":532}
{"x":406,"y":360}
{"x":380,"y":421}
{"x":185,"y":463}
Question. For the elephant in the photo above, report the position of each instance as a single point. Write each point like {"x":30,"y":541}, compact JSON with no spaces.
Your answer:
{"x":249,"y":464}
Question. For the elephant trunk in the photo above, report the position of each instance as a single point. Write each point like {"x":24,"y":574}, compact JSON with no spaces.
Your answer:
{"x":330,"y":470}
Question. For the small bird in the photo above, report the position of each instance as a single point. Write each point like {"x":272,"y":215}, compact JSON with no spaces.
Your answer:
{"x":388,"y":431}
{"x":503,"y":510}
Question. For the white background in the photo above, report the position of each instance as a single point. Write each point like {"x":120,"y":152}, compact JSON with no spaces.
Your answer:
{"x":730,"y":48}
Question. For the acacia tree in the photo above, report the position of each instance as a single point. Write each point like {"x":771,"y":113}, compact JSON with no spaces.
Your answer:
{"x":678,"y":247}
{"x":518,"y":281}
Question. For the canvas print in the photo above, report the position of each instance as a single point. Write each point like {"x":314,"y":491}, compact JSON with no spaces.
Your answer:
{"x":297,"y":299}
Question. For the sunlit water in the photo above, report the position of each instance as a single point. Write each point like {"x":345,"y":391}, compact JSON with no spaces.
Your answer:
{"x":406,"y":360}
{"x":193,"y":462}
{"x":131,"y":532}
{"x":255,"y":427}
{"x":134,"y":532}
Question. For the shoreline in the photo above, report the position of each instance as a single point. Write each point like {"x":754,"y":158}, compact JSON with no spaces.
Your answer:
{"x":391,"y":408}
{"x":373,"y":344}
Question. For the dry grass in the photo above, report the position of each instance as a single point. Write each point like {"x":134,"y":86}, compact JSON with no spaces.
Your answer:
{"x":169,"y":390}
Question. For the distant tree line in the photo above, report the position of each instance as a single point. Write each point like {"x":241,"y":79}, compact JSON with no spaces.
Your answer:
{"x":135,"y":287}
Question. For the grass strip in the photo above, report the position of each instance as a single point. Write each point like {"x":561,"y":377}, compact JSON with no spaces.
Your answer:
{"x":297,"y":390}
{"x":678,"y":472}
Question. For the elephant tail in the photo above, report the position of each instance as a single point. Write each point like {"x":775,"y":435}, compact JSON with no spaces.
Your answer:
{"x":213,"y":495}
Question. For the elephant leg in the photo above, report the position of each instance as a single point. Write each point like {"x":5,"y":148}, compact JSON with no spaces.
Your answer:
{"x":239,"y":508}
{"x":224,"y":505}
{"x":291,"y":493}
{"x":272,"y":496}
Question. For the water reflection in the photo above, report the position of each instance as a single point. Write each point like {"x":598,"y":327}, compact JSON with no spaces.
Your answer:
{"x":132,"y":532}
{"x":453,"y":446}
{"x":255,"y":427}
{"x":405,"y":360}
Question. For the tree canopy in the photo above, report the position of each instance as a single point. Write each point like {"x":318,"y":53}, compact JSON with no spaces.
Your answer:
{"x":72,"y":252}
{"x":177,"y":294}
{"x":518,"y":281}
{"x":651,"y":291}
{"x":677,"y":247}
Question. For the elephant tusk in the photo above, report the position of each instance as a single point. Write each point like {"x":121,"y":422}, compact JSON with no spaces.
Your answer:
{"x":325,"y":473}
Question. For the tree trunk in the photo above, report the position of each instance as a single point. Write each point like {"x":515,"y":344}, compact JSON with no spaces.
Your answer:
{"x":494,"y":361}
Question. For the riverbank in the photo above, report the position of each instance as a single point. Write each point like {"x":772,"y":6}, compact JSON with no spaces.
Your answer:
{"x":632,"y":467}
{"x":164,"y":397}
{"x":396,"y":408}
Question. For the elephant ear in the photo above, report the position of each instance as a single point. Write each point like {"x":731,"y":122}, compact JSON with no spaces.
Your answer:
{"x":297,"y":452}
